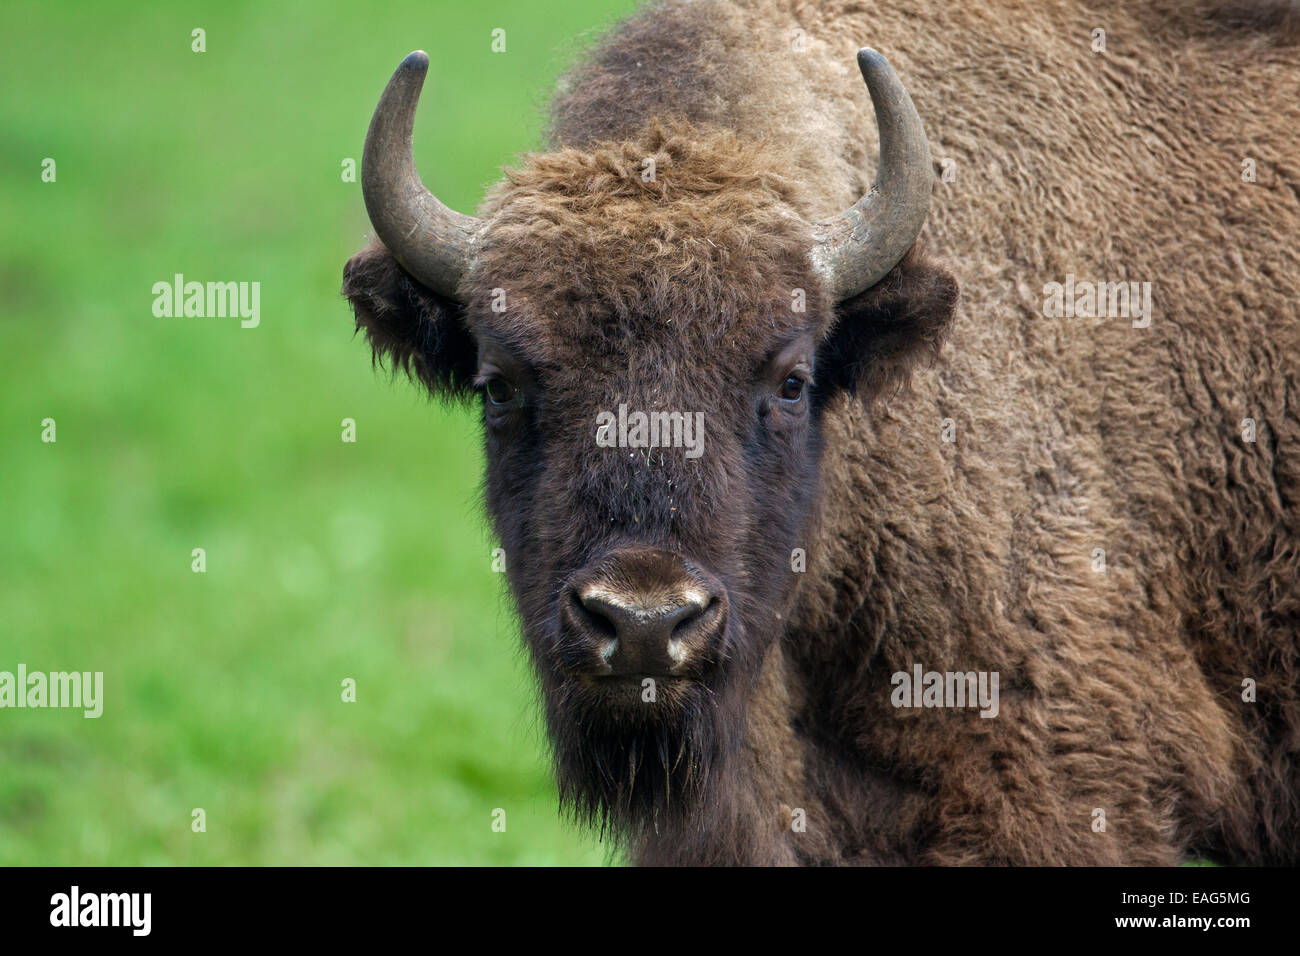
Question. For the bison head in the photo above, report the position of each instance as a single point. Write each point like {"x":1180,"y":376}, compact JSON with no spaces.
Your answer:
{"x":654,"y":333}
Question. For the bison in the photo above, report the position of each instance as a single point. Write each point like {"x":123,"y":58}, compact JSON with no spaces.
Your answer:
{"x":1006,"y":578}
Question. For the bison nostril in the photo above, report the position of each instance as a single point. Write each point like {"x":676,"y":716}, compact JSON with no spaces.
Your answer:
{"x":692,"y":614}
{"x":593,"y":615}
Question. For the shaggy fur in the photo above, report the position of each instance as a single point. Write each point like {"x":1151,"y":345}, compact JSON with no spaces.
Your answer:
{"x":1121,"y":689}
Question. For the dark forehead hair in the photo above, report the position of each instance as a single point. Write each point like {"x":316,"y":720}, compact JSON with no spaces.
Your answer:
{"x":680,"y":237}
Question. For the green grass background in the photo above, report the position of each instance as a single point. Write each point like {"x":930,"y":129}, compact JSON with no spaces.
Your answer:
{"x":325,"y":560}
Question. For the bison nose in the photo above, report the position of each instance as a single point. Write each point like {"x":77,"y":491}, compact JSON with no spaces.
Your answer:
{"x":647,"y":614}
{"x":638,"y":635}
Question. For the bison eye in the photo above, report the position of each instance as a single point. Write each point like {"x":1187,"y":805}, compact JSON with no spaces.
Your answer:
{"x":499,"y":391}
{"x":792,"y":388}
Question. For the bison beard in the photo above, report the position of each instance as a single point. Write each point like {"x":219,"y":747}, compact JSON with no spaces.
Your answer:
{"x":620,"y":775}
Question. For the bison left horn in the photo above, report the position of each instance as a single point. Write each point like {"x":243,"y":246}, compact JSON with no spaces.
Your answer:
{"x":433,"y":243}
{"x":858,"y":247}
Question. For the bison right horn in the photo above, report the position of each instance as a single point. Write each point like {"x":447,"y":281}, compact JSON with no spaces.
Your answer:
{"x":858,"y":247}
{"x":433,"y":243}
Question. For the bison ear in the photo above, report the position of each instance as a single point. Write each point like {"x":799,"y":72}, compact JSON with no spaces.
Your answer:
{"x":409,"y":326}
{"x":881,"y":334}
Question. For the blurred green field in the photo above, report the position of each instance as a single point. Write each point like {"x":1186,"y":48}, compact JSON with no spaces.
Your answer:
{"x":325,"y":560}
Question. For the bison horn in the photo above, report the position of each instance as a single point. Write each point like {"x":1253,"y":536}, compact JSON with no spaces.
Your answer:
{"x":432,"y":242}
{"x":857,"y":248}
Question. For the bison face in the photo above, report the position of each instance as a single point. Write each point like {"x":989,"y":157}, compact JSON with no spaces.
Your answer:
{"x":645,"y":358}
{"x":651,"y":418}
{"x":652,"y":356}
{"x":650,"y":466}
{"x":649,"y":580}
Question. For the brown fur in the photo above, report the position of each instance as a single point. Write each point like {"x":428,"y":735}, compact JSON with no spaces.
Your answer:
{"x":1119,"y":690}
